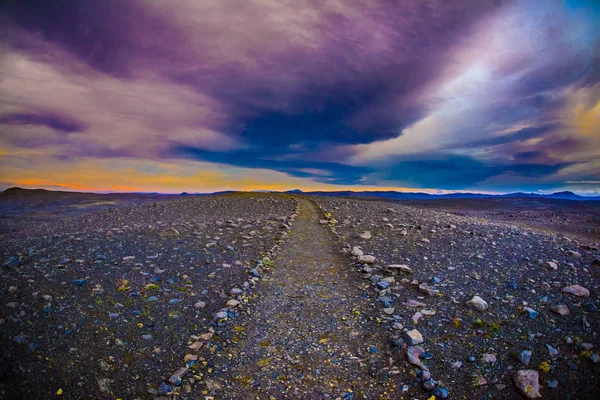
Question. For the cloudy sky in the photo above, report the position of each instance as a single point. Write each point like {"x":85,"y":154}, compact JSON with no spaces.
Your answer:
{"x":199,"y":96}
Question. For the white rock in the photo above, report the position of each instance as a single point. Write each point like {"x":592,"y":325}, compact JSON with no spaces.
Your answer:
{"x":356,"y":251}
{"x":366,"y":235}
{"x":200,"y":304}
{"x":367,"y":259}
{"x":478,"y":303}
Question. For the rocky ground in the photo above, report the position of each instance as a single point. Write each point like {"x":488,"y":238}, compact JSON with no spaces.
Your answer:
{"x":579,"y":219}
{"x":264,"y":296}
{"x":103,"y":304}
{"x":528,"y":316}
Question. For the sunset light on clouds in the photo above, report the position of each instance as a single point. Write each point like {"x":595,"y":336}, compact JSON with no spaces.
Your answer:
{"x":202,"y":96}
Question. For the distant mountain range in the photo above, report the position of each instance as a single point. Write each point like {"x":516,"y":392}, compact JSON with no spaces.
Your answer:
{"x":426,"y":196}
{"x":16,"y":192}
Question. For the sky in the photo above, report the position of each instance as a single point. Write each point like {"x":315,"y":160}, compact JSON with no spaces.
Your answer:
{"x":200,"y":96}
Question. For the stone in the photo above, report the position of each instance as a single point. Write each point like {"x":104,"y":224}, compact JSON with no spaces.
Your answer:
{"x":366,"y":235}
{"x":196,"y":345}
{"x":175,"y":379}
{"x":403,"y":232}
{"x":11,"y":262}
{"x":573,"y":253}
{"x":477,"y":303}
{"x":78,"y":282}
{"x":489,"y":358}
{"x":415,"y":304}
{"x":169,"y":232}
{"x":356,"y":251}
{"x":525,"y":357}
{"x":527,"y":381}
{"x":428,"y":384}
{"x":232,"y":303}
{"x":389,"y":310}
{"x":440,"y":393}
{"x":561,"y":310}
{"x":531,"y":312}
{"x":550,"y":265}
{"x":428,"y":290}
{"x":577,"y":290}
{"x":383,"y":285}
{"x":164,"y":389}
{"x":552,"y":352}
{"x":200,"y":304}
{"x":400,"y":267}
{"x":413,"y":337}
{"x":367,"y":259}
{"x":413,"y":353}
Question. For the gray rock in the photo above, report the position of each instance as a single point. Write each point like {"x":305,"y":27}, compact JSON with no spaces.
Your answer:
{"x":367,"y":259}
{"x":477,"y":303}
{"x":356,"y":251}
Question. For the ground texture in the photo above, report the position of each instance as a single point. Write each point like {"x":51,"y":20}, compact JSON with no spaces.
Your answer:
{"x":260,"y":296}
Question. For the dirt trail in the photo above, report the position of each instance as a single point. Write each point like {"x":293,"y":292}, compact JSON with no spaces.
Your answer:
{"x":312,"y":333}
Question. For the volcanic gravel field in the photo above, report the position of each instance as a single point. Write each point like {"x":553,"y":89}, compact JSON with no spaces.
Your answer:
{"x":453,"y":258}
{"x":102,"y":304}
{"x":271,"y":296}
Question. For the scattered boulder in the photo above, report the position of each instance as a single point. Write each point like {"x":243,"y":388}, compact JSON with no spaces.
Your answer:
{"x":527,"y":381}
{"x":577,"y":290}
{"x":356,"y":251}
{"x":477,"y":303}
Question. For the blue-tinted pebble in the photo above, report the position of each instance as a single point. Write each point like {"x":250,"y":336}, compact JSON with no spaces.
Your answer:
{"x":383,"y":285}
{"x":78,"y":282}
{"x":136,"y":312}
{"x":152,"y":298}
{"x":156,"y":279}
{"x":174,"y":301}
{"x":427,"y":356}
{"x":512,"y":285}
{"x":163,"y":389}
{"x":440,"y":393}
{"x":372,"y":350}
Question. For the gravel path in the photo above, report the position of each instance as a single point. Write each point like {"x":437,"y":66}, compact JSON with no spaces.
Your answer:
{"x":310,"y":334}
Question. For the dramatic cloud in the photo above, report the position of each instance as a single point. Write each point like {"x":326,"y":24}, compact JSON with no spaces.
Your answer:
{"x":481,"y":95}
